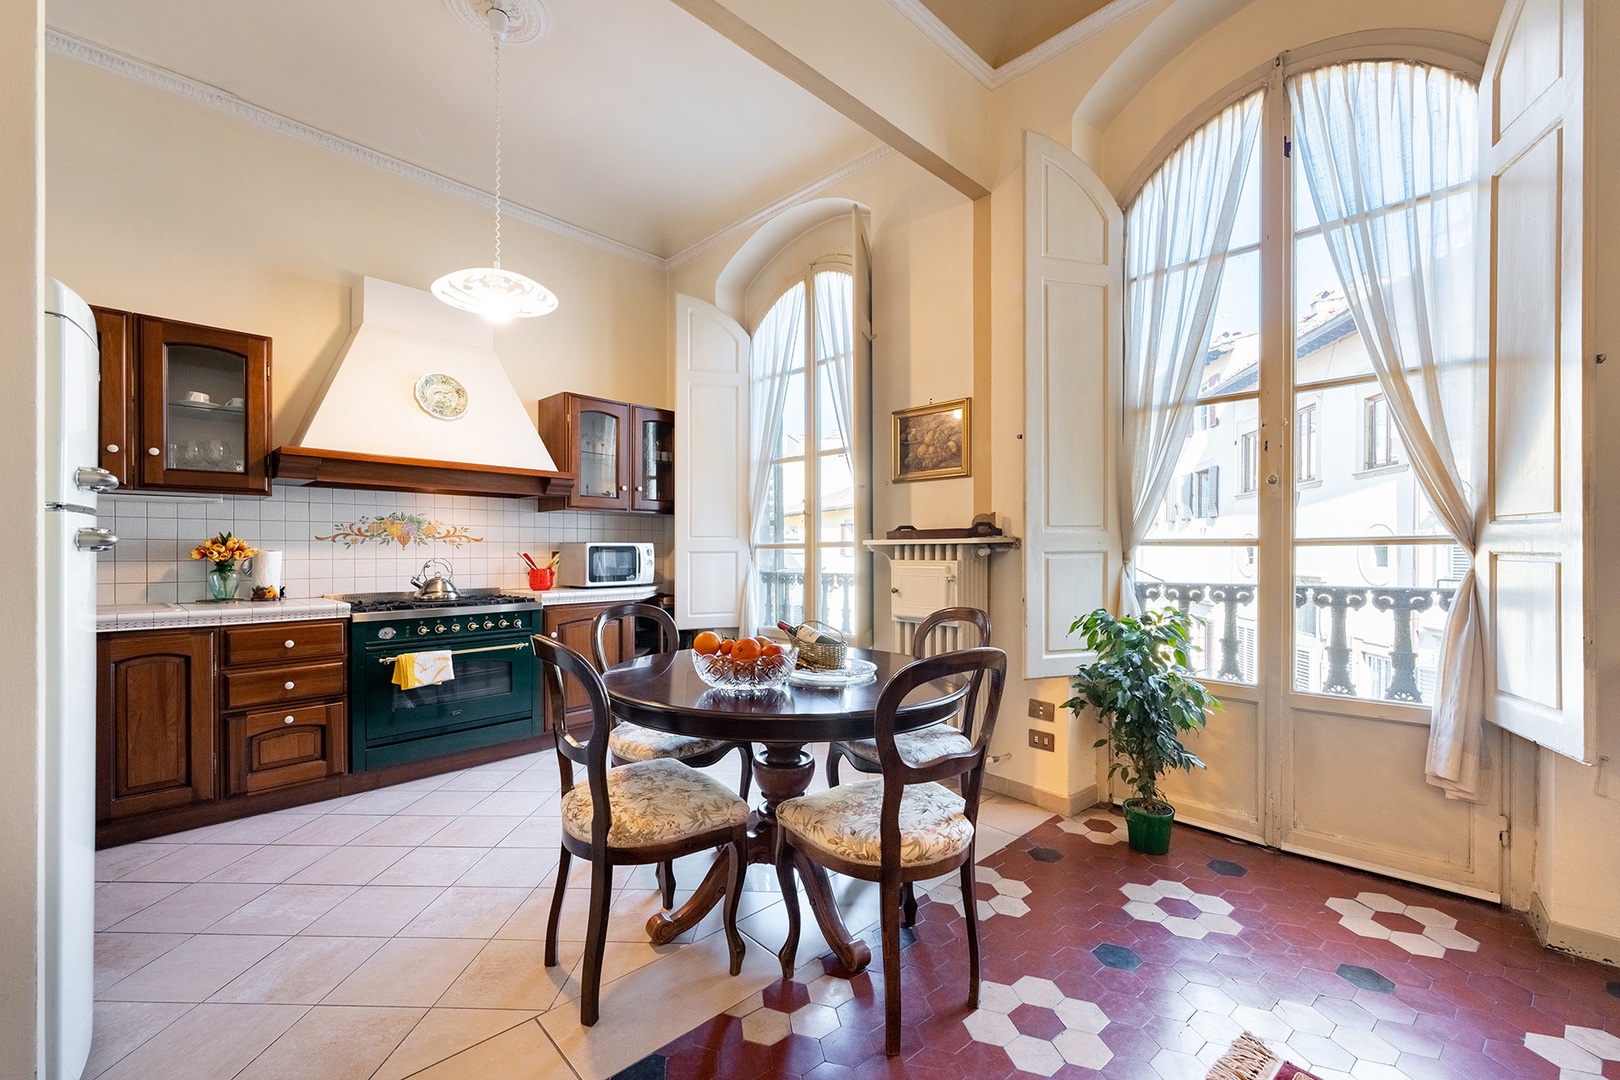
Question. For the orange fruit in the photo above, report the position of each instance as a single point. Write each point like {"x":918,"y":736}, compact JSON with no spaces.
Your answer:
{"x":771,"y":648}
{"x":726,"y":646}
{"x":707,"y":643}
{"x":746,"y":649}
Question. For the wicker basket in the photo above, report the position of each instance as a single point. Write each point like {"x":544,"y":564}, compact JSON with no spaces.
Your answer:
{"x":820,"y":657}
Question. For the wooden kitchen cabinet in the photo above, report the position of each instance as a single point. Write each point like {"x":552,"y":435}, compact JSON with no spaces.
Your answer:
{"x":183,"y":407}
{"x":283,"y":689}
{"x":622,"y":456}
{"x":155,"y":738}
{"x":571,"y":625}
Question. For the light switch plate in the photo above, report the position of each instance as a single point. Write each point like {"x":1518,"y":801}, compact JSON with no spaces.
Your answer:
{"x":1042,"y":710}
{"x":1042,"y":740}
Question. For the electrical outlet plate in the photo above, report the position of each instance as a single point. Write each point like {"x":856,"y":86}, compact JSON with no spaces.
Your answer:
{"x":1042,"y":740}
{"x":1042,"y":710}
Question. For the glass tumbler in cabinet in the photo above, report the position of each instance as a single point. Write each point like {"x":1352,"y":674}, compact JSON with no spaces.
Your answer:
{"x":205,"y":408}
{"x":653,"y":486}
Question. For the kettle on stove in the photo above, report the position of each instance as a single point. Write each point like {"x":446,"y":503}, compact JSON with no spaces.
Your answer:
{"x":437,"y":587}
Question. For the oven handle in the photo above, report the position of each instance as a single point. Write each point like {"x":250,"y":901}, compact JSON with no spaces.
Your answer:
{"x":459,"y":652}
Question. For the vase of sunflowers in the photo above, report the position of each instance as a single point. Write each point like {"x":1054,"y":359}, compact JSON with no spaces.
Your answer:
{"x":223,"y":551}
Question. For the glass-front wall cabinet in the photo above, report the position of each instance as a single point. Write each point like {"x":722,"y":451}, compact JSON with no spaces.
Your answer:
{"x":205,"y":408}
{"x":653,"y":485}
{"x":621,"y":456}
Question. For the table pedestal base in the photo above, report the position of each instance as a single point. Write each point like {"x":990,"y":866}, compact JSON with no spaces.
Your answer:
{"x":782,"y":773}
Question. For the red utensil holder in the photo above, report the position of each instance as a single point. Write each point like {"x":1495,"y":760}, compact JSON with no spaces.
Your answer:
{"x":541,"y":579}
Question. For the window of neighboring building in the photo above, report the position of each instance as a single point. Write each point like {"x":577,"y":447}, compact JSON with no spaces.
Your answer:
{"x":1249,"y":463}
{"x":1378,"y":434}
{"x":1307,"y":443}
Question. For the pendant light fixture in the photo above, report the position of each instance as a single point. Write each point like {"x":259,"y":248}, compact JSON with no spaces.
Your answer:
{"x":490,"y":291}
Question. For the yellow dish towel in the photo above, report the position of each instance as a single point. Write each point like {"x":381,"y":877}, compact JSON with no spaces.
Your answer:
{"x":423,"y":669}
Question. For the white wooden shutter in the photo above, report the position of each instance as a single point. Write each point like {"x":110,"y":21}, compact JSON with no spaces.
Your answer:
{"x":1074,"y":352}
{"x":861,"y":452}
{"x":711,"y":466}
{"x":1534,"y":561}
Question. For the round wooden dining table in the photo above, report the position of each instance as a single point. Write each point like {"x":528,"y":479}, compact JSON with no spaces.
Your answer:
{"x":664,"y":692}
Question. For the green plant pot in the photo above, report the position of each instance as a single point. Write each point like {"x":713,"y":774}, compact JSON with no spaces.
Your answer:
{"x":1148,"y":833}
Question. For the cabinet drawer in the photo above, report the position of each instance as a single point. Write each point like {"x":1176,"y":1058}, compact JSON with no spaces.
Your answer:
{"x":272,"y":749}
{"x":274,"y":686}
{"x":294,"y":641}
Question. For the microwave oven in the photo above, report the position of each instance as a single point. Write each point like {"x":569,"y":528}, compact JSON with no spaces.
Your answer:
{"x":601,"y":563}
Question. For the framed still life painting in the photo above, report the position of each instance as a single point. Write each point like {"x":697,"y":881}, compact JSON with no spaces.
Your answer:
{"x":932,"y":442}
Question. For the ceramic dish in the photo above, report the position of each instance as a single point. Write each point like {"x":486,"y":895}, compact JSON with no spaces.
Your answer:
{"x":857,"y":672}
{"x":441,"y":396}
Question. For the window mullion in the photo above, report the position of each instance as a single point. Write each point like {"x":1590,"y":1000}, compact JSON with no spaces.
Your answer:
{"x":812,"y":474}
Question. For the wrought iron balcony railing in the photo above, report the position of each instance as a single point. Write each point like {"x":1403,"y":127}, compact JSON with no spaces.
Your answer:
{"x":784,"y":597}
{"x":1219,"y":604}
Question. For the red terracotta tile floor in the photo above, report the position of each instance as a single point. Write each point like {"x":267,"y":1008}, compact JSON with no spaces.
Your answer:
{"x":1101,"y":962}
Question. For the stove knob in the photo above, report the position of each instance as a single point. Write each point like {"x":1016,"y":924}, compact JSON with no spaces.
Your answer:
{"x":422,"y":629}
{"x":504,"y":623}
{"x":489,"y":624}
{"x":455,"y":627}
{"x":438,"y":628}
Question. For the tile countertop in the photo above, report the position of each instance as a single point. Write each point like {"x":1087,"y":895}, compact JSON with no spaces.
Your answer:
{"x":204,"y":614}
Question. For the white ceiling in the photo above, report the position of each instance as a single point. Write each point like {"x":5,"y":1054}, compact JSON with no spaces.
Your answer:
{"x":628,"y":118}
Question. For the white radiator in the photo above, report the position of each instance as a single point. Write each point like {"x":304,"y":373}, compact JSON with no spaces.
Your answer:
{"x":924,"y":577}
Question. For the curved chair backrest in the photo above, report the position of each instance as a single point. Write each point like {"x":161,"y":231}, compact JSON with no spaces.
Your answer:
{"x":557,"y":663}
{"x":970,"y":615}
{"x":668,"y":637}
{"x":978,"y":666}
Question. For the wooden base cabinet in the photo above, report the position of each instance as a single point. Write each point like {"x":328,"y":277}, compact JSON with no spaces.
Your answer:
{"x":571,"y":624}
{"x":267,"y":750}
{"x":155,"y":721}
{"x":283,"y":689}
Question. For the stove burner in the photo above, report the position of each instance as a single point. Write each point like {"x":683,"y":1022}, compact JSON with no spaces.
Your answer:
{"x":374,"y":604}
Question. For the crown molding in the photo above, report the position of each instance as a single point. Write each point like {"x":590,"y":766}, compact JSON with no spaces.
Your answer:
{"x":764,"y":214}
{"x":214,"y":98}
{"x":995,"y":78}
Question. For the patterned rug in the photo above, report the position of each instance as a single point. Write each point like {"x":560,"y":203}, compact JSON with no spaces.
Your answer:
{"x":1249,"y":1059}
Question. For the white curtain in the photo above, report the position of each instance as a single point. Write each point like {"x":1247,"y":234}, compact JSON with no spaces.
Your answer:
{"x":778,"y":348}
{"x":1388,"y":152}
{"x":835,"y":341}
{"x":1176,"y":236}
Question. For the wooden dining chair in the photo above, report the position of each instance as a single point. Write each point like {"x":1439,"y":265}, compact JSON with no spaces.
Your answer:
{"x":639,"y":813}
{"x":925,"y":742}
{"x":905,"y":826}
{"x":629,"y":742}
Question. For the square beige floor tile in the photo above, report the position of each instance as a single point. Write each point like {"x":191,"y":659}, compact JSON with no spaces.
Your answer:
{"x":381,"y":801}
{"x":407,"y":972}
{"x":283,"y":909}
{"x":119,"y":956}
{"x":521,"y":1051}
{"x":511,"y":868}
{"x":301,"y":971}
{"x":120,"y":1027}
{"x":537,"y":831}
{"x":114,"y":863}
{"x":477,"y":781}
{"x":263,"y":829}
{"x":348,"y":1042}
{"x":351,"y":865}
{"x":446,"y":803}
{"x":511,"y":975}
{"x":271,"y":864}
{"x":443,"y":1033}
{"x":429,"y":866}
{"x":511,"y":804}
{"x":210,"y":1041}
{"x":474,"y":832}
{"x":194,"y":970}
{"x":466,"y":911}
{"x":543,"y":778}
{"x":403,"y":830}
{"x":191,"y":909}
{"x":118,"y":900}
{"x":193,"y":862}
{"x":333,"y":829}
{"x":375,"y":911}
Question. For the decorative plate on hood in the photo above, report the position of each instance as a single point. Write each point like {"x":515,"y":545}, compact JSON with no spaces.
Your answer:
{"x":441,"y":396}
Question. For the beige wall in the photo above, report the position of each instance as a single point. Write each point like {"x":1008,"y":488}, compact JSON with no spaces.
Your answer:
{"x":21,"y":320}
{"x":163,"y":206}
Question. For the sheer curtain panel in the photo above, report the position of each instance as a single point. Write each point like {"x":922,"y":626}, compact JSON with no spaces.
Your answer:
{"x":1389,"y":154}
{"x":1176,"y":235}
{"x":778,"y":348}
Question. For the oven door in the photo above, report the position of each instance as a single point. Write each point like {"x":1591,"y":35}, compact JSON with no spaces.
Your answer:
{"x":494,"y":681}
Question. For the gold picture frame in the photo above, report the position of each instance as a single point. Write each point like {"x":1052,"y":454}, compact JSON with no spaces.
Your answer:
{"x":933,"y":442}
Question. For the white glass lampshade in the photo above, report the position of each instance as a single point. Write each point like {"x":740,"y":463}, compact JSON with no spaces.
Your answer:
{"x":495,"y":293}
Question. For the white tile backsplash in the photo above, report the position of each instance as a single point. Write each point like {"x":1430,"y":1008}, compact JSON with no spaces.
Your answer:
{"x":151,"y":563}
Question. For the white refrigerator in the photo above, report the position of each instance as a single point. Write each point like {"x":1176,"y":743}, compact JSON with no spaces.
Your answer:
{"x":72,"y":482}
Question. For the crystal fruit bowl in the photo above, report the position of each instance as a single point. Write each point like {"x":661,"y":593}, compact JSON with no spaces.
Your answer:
{"x":745,"y":676}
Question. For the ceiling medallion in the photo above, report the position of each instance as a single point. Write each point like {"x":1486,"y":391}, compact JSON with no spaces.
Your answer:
{"x":526,"y":19}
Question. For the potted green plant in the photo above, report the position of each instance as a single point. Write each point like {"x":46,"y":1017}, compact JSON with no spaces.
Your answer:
{"x":1141,"y":688}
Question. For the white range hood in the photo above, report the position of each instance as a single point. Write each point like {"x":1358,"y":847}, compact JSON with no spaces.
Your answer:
{"x":368,"y":428}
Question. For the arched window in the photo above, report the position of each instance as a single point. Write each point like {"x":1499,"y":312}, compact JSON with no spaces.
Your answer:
{"x":803,"y":419}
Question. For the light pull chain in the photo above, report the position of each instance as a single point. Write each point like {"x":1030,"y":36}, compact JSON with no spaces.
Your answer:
{"x":497,"y":36}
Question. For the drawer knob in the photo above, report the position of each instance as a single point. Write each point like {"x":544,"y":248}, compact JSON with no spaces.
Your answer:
{"x":112,"y":448}
{"x":154,"y":451}
{"x":286,"y":720}
{"x":289,"y":643}
{"x":288,"y":685}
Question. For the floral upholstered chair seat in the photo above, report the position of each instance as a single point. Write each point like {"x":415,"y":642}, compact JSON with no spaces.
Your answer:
{"x":844,"y":822}
{"x":916,"y":747}
{"x":655,"y":802}
{"x":632,"y":742}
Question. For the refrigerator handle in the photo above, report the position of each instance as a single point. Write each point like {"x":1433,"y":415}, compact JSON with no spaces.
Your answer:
{"x":92,"y":538}
{"x":90,"y":478}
